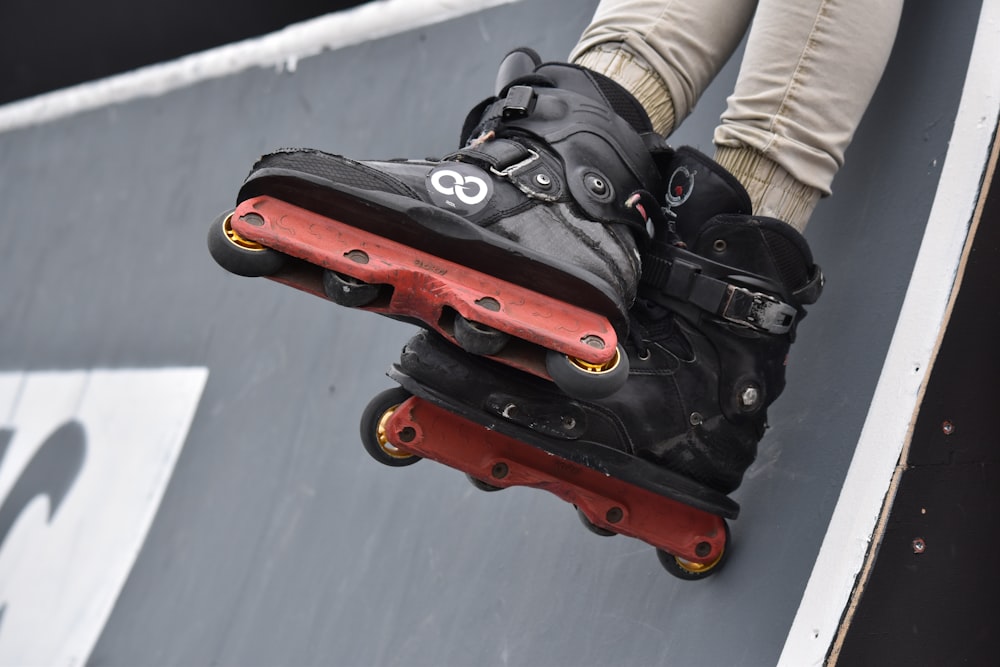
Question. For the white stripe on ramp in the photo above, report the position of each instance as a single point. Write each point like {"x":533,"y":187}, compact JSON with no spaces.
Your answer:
{"x":85,"y":457}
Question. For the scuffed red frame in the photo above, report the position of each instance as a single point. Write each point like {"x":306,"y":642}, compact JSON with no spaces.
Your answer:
{"x":432,"y":432}
{"x":427,"y":288}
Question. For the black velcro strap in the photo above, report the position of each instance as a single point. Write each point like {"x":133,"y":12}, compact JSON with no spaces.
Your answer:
{"x":498,"y":154}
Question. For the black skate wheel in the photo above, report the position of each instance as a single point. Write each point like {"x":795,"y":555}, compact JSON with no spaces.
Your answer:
{"x":476,"y":338}
{"x":584,"y":380}
{"x":347,"y":291}
{"x":483,"y":486}
{"x":239,"y":255}
{"x":373,"y":422}
{"x":593,"y":527}
{"x":690,"y":571}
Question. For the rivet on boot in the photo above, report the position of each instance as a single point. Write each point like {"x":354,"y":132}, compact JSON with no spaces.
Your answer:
{"x":749,"y":397}
{"x":599,"y":187}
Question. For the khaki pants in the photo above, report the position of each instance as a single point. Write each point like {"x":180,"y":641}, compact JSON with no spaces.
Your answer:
{"x":809,"y":71}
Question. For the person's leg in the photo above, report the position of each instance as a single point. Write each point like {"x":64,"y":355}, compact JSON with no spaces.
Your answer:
{"x":665,"y":52}
{"x":809,"y":72}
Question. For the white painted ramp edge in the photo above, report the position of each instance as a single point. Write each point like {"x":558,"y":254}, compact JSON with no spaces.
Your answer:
{"x":907,"y":366}
{"x":282,"y":49}
{"x":85,"y":458}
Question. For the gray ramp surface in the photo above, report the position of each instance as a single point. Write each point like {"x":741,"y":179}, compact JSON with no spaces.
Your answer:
{"x":279,"y":541}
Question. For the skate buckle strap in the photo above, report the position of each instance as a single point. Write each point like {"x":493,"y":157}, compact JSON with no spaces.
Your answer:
{"x":686,"y":280}
{"x":506,"y":172}
{"x":757,"y":310}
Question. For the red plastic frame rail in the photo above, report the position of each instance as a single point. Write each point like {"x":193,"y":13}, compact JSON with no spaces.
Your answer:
{"x":432,"y":432}
{"x":425,"y":285}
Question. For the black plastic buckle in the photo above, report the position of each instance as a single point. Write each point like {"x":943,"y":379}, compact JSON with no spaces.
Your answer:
{"x":757,"y":310}
{"x":519,"y":102}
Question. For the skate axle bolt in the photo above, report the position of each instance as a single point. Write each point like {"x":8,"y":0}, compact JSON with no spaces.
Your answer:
{"x":357,"y":256}
{"x":947,"y":427}
{"x":595,"y":342}
{"x":253,"y":219}
{"x":614,"y":515}
{"x":703,"y":549}
{"x":919,"y":546}
{"x":500,"y":470}
{"x":489,"y":303}
{"x":407,"y":434}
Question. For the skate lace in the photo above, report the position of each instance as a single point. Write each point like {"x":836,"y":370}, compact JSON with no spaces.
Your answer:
{"x":658,"y":224}
{"x":652,"y":324}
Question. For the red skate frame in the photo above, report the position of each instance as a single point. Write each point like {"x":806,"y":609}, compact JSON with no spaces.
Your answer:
{"x":427,"y":288}
{"x":432,"y":432}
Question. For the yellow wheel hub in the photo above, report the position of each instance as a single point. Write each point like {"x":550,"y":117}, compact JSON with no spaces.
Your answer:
{"x":238,"y":240}
{"x":698,"y":568}
{"x":597,"y":369}
{"x":383,"y":440}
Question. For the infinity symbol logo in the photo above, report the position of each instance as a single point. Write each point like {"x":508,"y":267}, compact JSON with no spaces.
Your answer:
{"x":458,"y":187}
{"x":470,"y":190}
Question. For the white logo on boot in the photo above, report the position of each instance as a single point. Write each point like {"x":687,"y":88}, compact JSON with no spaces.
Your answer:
{"x":469,"y":190}
{"x":461,"y":188}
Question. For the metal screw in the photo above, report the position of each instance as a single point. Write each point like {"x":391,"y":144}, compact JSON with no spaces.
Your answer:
{"x":919,"y":546}
{"x":696,"y":419}
{"x":543,"y":180}
{"x":750,"y":396}
{"x":719,"y":245}
{"x":568,"y":423}
{"x":947,"y":427}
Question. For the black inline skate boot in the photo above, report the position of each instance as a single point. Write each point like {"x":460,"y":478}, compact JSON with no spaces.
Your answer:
{"x":722,"y":292}
{"x":540,"y":195}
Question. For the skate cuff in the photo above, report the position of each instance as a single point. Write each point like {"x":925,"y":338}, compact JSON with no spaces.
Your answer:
{"x":678,"y":278}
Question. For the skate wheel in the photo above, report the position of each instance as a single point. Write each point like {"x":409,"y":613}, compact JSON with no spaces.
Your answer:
{"x":476,"y":338}
{"x":347,"y":291}
{"x":593,"y":527}
{"x":581,"y":379}
{"x":483,"y":486}
{"x":691,"y":571}
{"x":239,"y":255}
{"x":373,"y":424}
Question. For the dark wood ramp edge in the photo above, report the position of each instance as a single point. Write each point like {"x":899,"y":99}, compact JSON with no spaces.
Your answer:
{"x":931,"y":589}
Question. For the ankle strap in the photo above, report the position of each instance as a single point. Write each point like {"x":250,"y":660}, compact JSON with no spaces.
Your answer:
{"x":685,"y":276}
